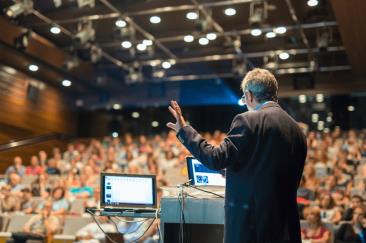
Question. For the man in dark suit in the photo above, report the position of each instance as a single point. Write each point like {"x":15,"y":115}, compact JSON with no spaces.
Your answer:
{"x":264,"y":154}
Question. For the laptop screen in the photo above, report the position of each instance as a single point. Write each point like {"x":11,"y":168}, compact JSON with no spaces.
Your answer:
{"x":200,"y":175}
{"x":128,"y":191}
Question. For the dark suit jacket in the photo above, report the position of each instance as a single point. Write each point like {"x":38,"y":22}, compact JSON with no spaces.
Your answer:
{"x":264,"y":155}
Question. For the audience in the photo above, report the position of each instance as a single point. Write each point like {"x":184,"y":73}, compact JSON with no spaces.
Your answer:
{"x":331,"y":191}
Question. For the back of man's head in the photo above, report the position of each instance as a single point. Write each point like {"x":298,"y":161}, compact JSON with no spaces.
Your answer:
{"x":262,"y":84}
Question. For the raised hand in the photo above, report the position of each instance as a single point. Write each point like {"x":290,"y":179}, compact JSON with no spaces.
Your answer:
{"x":177,"y":113}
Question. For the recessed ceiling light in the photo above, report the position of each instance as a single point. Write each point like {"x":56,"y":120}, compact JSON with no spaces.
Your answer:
{"x":211,"y":36}
{"x":192,"y":15}
{"x":126,"y":44}
{"x":166,"y":65}
{"x":117,"y":106}
{"x":270,"y":35}
{"x":319,"y":98}
{"x":135,"y":114}
{"x":55,"y":30}
{"x":302,"y":98}
{"x":188,"y":38}
{"x":66,"y":83}
{"x":120,"y":23}
{"x":141,"y":47}
{"x":256,"y":32}
{"x":115,"y":134}
{"x":155,"y":19}
{"x":312,"y":3}
{"x":230,"y":11}
{"x":351,"y":108}
{"x":280,"y":30}
{"x":155,"y":124}
{"x":33,"y":67}
{"x":203,"y":41}
{"x":147,"y":42}
{"x":314,"y":117}
{"x":284,"y":56}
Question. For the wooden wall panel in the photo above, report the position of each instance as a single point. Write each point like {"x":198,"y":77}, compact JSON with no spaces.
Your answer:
{"x":22,"y":117}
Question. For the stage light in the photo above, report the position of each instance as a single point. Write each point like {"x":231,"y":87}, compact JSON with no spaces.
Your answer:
{"x":280,"y":30}
{"x":147,"y":42}
{"x":126,"y":44}
{"x":203,"y":41}
{"x":329,"y":119}
{"x":120,"y":23}
{"x":319,"y":98}
{"x":33,"y":68}
{"x":211,"y":36}
{"x":302,"y":98}
{"x":141,"y":47}
{"x":166,"y":65}
{"x":351,"y":108}
{"x":230,"y":11}
{"x":19,"y":8}
{"x":271,"y":35}
{"x":320,"y":125}
{"x":135,"y":114}
{"x":55,"y":30}
{"x":312,"y":3}
{"x":314,"y":117}
{"x":155,"y":124}
{"x":66,"y":83}
{"x":117,"y":106}
{"x":188,"y":38}
{"x":256,"y":32}
{"x":192,"y":15}
{"x":284,"y":56}
{"x":241,"y":102}
{"x":21,"y":42}
{"x":115,"y":134}
{"x":155,"y":19}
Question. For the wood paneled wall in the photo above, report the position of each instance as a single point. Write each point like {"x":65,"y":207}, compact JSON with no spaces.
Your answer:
{"x":22,"y":117}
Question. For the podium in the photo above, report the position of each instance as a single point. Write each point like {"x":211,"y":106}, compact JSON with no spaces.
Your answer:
{"x":203,"y":218}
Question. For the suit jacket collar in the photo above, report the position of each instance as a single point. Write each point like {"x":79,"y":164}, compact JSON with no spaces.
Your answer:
{"x":269,"y":104}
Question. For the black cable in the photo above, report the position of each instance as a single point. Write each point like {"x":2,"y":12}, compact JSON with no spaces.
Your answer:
{"x":95,"y":220}
{"x":197,"y":188}
{"x":136,"y":240}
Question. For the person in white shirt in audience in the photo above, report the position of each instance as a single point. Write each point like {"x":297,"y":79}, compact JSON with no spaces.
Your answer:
{"x":91,"y":233}
{"x":17,"y":167}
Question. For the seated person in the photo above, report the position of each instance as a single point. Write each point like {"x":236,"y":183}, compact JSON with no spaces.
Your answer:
{"x":91,"y":233}
{"x":82,"y":191}
{"x":17,"y":167}
{"x":314,"y":231}
{"x":352,"y":232}
{"x":52,"y":167}
{"x":59,"y":203}
{"x":8,"y":201}
{"x":356,"y":201}
{"x":330,"y":213}
{"x":34,"y":168}
{"x":39,"y":227}
{"x":26,"y":201}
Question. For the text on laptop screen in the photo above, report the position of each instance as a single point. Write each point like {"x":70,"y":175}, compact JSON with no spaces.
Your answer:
{"x":128,"y":190}
{"x":200,"y":175}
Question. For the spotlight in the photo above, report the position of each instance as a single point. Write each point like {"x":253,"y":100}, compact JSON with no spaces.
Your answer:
{"x":211,"y":36}
{"x":85,"y":33}
{"x":271,"y":35}
{"x":55,"y":30}
{"x":241,"y":102}
{"x":192,"y":15}
{"x":147,"y":42}
{"x":312,"y":3}
{"x":166,"y":65}
{"x":21,"y":42}
{"x":115,"y":134}
{"x":66,"y":83}
{"x":19,"y":8}
{"x":314,"y":117}
{"x":33,"y":68}
{"x":155,"y":124}
{"x":256,"y":32}
{"x":126,"y":44}
{"x":135,"y":114}
{"x":203,"y":41}
{"x":284,"y":56}
{"x":302,"y":99}
{"x":329,"y":119}
{"x":120,"y":23}
{"x":155,"y":19}
{"x":280,"y":30}
{"x":188,"y":38}
{"x":319,"y":98}
{"x":230,"y":11}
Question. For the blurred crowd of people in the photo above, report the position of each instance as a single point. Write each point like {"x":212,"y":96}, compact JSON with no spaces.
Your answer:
{"x":330,"y":196}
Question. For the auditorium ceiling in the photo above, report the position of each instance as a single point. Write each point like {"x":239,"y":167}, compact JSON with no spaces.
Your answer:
{"x":103,"y":45}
